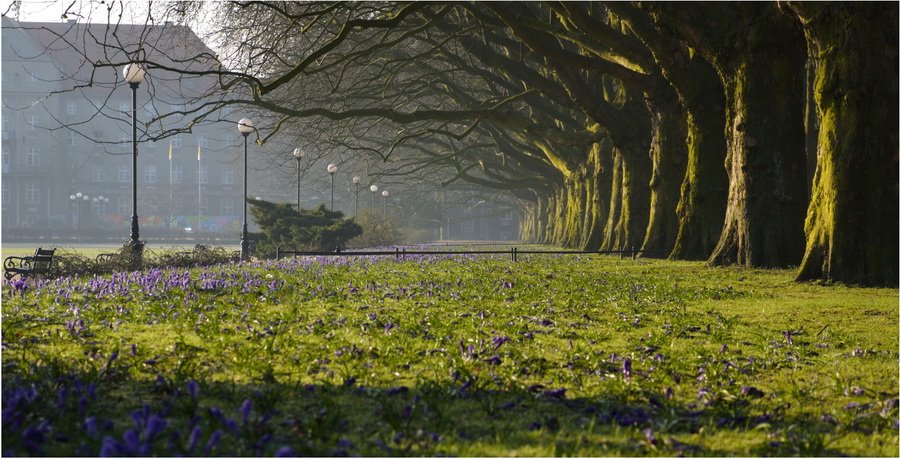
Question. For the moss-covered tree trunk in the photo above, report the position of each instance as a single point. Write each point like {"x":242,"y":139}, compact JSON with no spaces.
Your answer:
{"x":701,"y":206}
{"x":759,"y":54}
{"x":851,"y":226}
{"x":615,"y":203}
{"x":598,"y":181}
{"x":766,"y":151}
{"x":668,"y":154}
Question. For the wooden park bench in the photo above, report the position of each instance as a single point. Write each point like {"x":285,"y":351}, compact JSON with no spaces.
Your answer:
{"x":39,"y":264}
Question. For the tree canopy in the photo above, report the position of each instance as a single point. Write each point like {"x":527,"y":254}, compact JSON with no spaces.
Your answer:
{"x":680,"y":129}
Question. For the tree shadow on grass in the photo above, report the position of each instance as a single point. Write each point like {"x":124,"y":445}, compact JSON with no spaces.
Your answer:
{"x":66,"y":415}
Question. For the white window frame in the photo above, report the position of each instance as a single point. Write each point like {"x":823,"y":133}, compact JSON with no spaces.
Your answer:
{"x":124,"y":174}
{"x":227,"y":175}
{"x":150,"y":173}
{"x":33,"y":158}
{"x":33,"y":193}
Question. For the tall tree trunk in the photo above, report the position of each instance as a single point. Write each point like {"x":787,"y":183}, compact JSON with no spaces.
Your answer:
{"x":759,"y":54}
{"x":701,"y":208}
{"x":668,"y":153}
{"x":615,"y":203}
{"x":599,"y":181}
{"x":851,"y":226}
{"x":766,"y":154}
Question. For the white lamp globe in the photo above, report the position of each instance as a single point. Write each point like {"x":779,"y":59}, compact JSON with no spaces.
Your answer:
{"x":385,"y":193}
{"x":245,"y":125}
{"x":134,"y":73}
{"x":298,"y":153}
{"x":374,"y":188}
{"x":356,"y":179}
{"x":332,"y":168}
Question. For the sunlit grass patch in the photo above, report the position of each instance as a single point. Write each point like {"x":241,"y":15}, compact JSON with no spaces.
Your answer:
{"x":551,"y":355}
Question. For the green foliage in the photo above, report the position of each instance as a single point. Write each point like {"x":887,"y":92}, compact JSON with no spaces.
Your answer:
{"x":306,"y":229}
{"x":377,"y":231}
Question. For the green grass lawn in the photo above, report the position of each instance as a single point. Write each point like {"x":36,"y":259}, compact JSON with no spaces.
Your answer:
{"x":549,"y":356}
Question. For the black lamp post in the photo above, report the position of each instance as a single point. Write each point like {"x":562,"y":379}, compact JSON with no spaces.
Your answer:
{"x":332,"y":168}
{"x":79,"y":198}
{"x":298,"y":153}
{"x":245,"y":126}
{"x":134,"y":74}
{"x":356,"y":194}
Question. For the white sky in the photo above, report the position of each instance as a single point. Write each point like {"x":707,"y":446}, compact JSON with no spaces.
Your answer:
{"x":134,"y":11}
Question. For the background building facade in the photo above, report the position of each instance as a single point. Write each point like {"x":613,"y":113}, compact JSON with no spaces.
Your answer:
{"x":66,"y":129}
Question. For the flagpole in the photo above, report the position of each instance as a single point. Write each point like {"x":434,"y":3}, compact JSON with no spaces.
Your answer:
{"x":199,"y":191}
{"x":171,"y":201}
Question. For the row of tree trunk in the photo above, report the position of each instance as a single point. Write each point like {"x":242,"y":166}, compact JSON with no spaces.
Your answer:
{"x":717,"y":169}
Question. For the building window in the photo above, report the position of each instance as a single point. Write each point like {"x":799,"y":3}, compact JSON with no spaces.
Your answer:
{"x":5,"y":193}
{"x":176,"y":141}
{"x":203,"y":141}
{"x":5,"y":161}
{"x":227,"y":175}
{"x":124,"y":174}
{"x":32,"y":158}
{"x":122,"y":203}
{"x":32,"y":193}
{"x":71,"y":140}
{"x":124,"y":108}
{"x":177,"y":174}
{"x":204,"y":175}
{"x":226,"y":206}
{"x":99,"y":175}
{"x":150,"y":174}
{"x":5,"y":127}
{"x":124,"y":137}
{"x":71,"y":108}
{"x":32,"y":122}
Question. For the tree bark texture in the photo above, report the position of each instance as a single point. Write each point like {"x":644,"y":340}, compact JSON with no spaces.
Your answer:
{"x":668,"y":152}
{"x":852,"y":222}
{"x":759,"y":54}
{"x":701,"y":207}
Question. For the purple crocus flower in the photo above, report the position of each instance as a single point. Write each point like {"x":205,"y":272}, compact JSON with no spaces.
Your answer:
{"x":494,"y":360}
{"x":285,"y":451}
{"x":669,"y":393}
{"x":245,"y":410}
{"x":193,"y":388}
{"x":213,"y":441}
{"x":499,"y":341}
{"x":626,"y":368}
{"x":194,"y":438}
{"x":787,"y":337}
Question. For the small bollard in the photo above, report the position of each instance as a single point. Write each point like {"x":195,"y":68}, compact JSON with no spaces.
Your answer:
{"x":633,"y":253}
{"x":277,"y":253}
{"x":397,"y":252}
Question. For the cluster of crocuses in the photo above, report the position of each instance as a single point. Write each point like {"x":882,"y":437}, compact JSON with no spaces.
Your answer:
{"x":36,"y":424}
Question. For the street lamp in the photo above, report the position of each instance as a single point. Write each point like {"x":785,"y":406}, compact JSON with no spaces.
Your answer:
{"x":356,"y":194}
{"x":79,"y":199}
{"x":384,"y":194}
{"x":298,"y":153}
{"x":245,"y":126}
{"x":332,"y":168}
{"x":374,"y":189}
{"x":134,"y":75}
